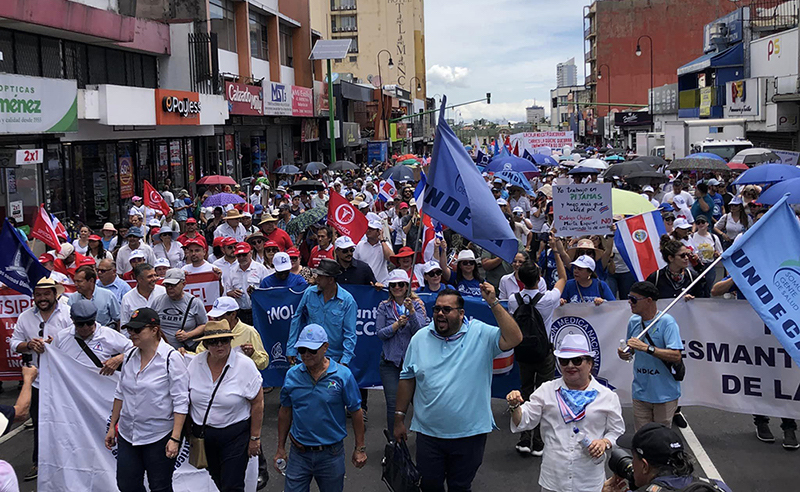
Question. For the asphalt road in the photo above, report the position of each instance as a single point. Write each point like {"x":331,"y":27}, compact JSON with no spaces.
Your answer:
{"x":742,"y":461}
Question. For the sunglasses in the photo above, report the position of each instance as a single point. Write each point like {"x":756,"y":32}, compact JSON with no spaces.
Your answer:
{"x":103,"y":270}
{"x":634,"y":300}
{"x":434,"y":273}
{"x":242,"y":255}
{"x":685,"y":255}
{"x":303,"y":350}
{"x":348,"y":250}
{"x":272,"y":250}
{"x":468,"y":263}
{"x":442,"y":309}
{"x":257,"y":241}
{"x":84,"y":323}
{"x":138,"y":330}
{"x":216,"y":341}
{"x":394,"y":285}
{"x":576,"y":361}
{"x":669,"y":219}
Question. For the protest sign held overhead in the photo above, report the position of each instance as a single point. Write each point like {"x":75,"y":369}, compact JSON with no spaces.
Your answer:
{"x":582,"y":209}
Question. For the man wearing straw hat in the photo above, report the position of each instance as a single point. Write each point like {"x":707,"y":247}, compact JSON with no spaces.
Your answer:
{"x":232,"y":226}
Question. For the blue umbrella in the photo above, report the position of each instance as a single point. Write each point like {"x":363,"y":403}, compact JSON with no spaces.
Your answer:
{"x":584,"y":170}
{"x":516,"y":179}
{"x":511,"y":163}
{"x":222,"y":199}
{"x":768,"y":173}
{"x":615,"y":157}
{"x":704,"y":155}
{"x":288,"y":169}
{"x":544,"y":160}
{"x":774,"y":193}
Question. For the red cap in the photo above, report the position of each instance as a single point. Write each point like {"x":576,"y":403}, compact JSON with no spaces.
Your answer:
{"x":293,"y":252}
{"x":242,"y":248}
{"x":217,"y":242}
{"x":195,"y":241}
{"x":46,"y":257}
{"x":191,"y":220}
{"x":271,"y":244}
{"x":229,"y":241}
{"x":85,"y":260}
{"x":248,"y":208}
{"x":95,"y":237}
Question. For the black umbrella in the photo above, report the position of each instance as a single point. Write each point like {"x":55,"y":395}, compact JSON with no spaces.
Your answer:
{"x":615,"y":150}
{"x":399,"y":173}
{"x":642,"y":178}
{"x":625,"y":168}
{"x":343,"y":166}
{"x":288,"y":169}
{"x":308,"y":185}
{"x":698,"y":164}
{"x":652,"y":160}
{"x":314,"y":167}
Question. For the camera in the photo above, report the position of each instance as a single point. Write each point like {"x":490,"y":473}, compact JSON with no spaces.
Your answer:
{"x":621,"y":463}
{"x":27,"y":359}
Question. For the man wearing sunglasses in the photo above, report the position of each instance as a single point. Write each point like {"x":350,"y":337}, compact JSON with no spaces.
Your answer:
{"x":353,"y":271}
{"x":447,"y":372}
{"x":655,"y":392}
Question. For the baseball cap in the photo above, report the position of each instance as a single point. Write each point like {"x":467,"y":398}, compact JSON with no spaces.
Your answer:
{"x":403,"y":205}
{"x":271,"y":244}
{"x":257,"y":188}
{"x":648,"y":188}
{"x":312,"y":337}
{"x":712,"y":182}
{"x":584,"y":261}
{"x":229,"y":241}
{"x":135,"y":231}
{"x":396,"y":276}
{"x":375,"y":224}
{"x":679,"y":201}
{"x":654,"y":442}
{"x":344,"y":242}
{"x":46,"y":258}
{"x":502,"y":202}
{"x":161,"y":262}
{"x":281,"y":262}
{"x":682,"y":223}
{"x":191,"y":220}
{"x":517,"y":210}
{"x":194,"y":242}
{"x":83,"y":311}
{"x":293,"y":252}
{"x":737,"y":200}
{"x":363,"y":205}
{"x":137,"y":253}
{"x":143,"y":317}
{"x":242,"y":248}
{"x":174,"y":276}
{"x":66,"y":250}
{"x":222,"y":306}
{"x":666,"y":207}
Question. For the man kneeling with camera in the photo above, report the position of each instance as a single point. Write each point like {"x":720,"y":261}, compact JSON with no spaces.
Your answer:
{"x":659,"y":464}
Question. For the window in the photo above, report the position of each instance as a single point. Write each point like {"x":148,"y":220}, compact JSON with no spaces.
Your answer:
{"x":343,"y":4}
{"x":353,"y":44}
{"x":259,"y":46}
{"x":222,"y":23}
{"x":286,"y":45}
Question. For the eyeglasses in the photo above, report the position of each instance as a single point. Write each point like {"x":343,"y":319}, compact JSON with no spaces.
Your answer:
{"x":443,"y":309}
{"x":395,"y":285}
{"x":103,"y":270}
{"x":257,"y":241}
{"x":303,"y":350}
{"x":272,"y":250}
{"x":434,"y":273}
{"x":216,"y":341}
{"x":468,"y":263}
{"x":84,"y":323}
{"x":576,"y":361}
{"x":243,"y":255}
{"x":634,"y":299}
{"x":41,"y":329}
{"x":685,"y":255}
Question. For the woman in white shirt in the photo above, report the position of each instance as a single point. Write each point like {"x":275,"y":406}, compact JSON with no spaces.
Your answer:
{"x":733,"y":223}
{"x":227,"y":406}
{"x":169,"y":248}
{"x":82,"y":243}
{"x":96,"y":249}
{"x":569,"y":408}
{"x":707,"y":248}
{"x":150,"y":406}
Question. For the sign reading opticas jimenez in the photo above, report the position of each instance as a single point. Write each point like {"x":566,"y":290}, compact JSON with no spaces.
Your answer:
{"x":37,"y":105}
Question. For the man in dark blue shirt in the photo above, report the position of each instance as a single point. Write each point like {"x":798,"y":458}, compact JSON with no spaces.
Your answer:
{"x":283,"y":277}
{"x":354,"y":272}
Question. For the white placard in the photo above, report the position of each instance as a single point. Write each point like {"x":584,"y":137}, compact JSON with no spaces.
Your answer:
{"x":16,"y":210}
{"x":582,"y":209}
{"x":30,"y":156}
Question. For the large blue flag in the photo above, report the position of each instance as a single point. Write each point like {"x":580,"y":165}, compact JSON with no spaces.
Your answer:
{"x":19,"y":268}
{"x":765,"y":266}
{"x":481,"y":159}
{"x":457,"y":196}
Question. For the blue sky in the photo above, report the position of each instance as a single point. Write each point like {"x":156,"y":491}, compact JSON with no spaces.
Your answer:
{"x":507,"y":47}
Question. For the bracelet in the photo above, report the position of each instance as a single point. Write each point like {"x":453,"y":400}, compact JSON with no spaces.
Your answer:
{"x":398,"y":412}
{"x":255,"y":438}
{"x":495,"y":303}
{"x":362,"y":449}
{"x":514,"y":407}
{"x":174,"y":440}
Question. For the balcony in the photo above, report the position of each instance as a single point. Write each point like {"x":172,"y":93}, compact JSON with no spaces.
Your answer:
{"x":769,"y":16}
{"x":343,"y":5}
{"x":589,"y":32}
{"x":590,"y":55}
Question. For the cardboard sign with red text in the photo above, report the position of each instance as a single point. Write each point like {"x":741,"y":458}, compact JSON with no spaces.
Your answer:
{"x":204,"y":286}
{"x":12,"y":304}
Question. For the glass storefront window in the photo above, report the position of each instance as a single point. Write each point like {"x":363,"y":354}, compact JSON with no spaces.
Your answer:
{"x":54,"y":179}
{"x":144,"y":163}
{"x":163,"y":163}
{"x":176,"y":164}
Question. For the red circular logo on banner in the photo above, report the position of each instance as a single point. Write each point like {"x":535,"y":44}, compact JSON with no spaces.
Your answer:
{"x":344,"y":214}
{"x":155,"y":197}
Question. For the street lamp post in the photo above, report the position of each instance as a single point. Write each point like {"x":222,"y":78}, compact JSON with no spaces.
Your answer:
{"x":411,"y":86}
{"x":639,"y":53}
{"x":380,"y":77}
{"x":608,"y":83}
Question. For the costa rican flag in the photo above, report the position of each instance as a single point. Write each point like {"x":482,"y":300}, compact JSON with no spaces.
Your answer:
{"x":637,"y":239}
{"x":387,"y":190}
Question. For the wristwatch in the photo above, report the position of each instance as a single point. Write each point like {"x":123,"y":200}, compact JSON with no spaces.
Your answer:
{"x":651,"y":350}
{"x":362,"y":449}
{"x":255,"y":438}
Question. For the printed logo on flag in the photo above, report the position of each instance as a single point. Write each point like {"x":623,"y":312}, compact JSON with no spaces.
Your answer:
{"x":639,"y":236}
{"x":507,"y":166}
{"x":276,"y":354}
{"x":787,"y":280}
{"x":344,"y":215}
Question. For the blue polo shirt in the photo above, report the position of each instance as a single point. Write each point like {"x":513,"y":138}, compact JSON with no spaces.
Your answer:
{"x":652,"y":382}
{"x":119,"y":287}
{"x":453,"y":380}
{"x":104,"y":300}
{"x":318,"y":408}
{"x":337,"y":316}
{"x":293,"y":281}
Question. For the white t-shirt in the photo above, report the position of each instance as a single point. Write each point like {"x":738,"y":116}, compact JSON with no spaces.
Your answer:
{"x":231,"y":405}
{"x":174,"y":255}
{"x":670,"y":197}
{"x":224,"y":266}
{"x":105,"y":343}
{"x":509,"y":286}
{"x":372,"y":256}
{"x":546,"y":305}
{"x":203,"y":268}
{"x":705,"y":246}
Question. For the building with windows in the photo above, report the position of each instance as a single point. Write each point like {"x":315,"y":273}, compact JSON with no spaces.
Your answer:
{"x":567,"y":74}
{"x":534,"y":114}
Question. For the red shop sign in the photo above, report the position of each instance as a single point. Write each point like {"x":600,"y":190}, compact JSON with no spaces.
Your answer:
{"x":244,"y":99}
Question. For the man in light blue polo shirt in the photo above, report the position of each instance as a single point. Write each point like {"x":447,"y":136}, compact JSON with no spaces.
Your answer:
{"x":447,"y":372}
{"x":314,"y":398}
{"x":103,"y":299}
{"x":107,"y":278}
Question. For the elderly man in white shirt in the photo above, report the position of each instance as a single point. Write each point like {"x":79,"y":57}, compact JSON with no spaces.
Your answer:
{"x":142,"y":296}
{"x":134,"y":238}
{"x":91,"y":343}
{"x":241,"y":279}
{"x":581,"y":420}
{"x":232,"y":226}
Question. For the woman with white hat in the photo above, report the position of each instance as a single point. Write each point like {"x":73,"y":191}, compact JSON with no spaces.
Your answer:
{"x":432,"y":278}
{"x":580,"y":420}
{"x":109,"y":236}
{"x":585,"y":286}
{"x":169,"y":248}
{"x":467,"y":279}
{"x":733,"y":223}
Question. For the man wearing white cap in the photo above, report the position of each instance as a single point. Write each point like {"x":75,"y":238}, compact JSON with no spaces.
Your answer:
{"x":585,"y":286}
{"x":283,"y":277}
{"x":648,"y":192}
{"x":255,"y":197}
{"x":353,"y":271}
{"x":374,"y":250}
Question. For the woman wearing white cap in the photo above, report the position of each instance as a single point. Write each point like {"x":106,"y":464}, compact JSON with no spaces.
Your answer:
{"x":585,"y":286}
{"x":733,"y":223}
{"x":580,"y":420}
{"x":432,"y":278}
{"x":467,"y":279}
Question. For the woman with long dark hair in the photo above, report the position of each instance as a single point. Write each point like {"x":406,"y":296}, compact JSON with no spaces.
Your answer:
{"x":678,"y":274}
{"x":733,"y":223}
{"x":96,"y":249}
{"x":468,"y":280}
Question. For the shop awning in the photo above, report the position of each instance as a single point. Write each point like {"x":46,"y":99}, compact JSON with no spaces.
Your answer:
{"x":733,"y":56}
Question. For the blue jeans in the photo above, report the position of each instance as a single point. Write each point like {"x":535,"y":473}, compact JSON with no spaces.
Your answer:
{"x":326,"y":467}
{"x":390,"y":378}
{"x":620,"y":284}
{"x":134,"y":461}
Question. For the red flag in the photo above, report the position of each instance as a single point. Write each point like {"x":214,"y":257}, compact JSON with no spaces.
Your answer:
{"x":61,"y":231}
{"x":344,"y":217}
{"x":507,"y":143}
{"x":154,"y":200}
{"x":44,"y":230}
{"x":516,"y":149}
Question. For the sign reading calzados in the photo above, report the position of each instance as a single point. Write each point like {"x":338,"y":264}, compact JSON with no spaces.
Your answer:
{"x":244,"y":99}
{"x":37,"y":105}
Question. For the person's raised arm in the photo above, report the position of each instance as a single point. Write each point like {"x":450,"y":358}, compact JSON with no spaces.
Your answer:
{"x":560,"y":269}
{"x":510,"y":334}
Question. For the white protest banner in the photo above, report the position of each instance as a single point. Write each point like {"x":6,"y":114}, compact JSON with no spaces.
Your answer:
{"x":74,"y":414}
{"x":536,"y":140}
{"x":582,"y":209}
{"x":204,"y":286}
{"x":731,"y":363}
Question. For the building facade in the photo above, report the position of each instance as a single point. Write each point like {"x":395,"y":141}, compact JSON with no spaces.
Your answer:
{"x":534,"y":114}
{"x":567,"y":74}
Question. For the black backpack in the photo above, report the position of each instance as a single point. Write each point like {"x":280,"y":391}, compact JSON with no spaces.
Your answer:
{"x":535,"y":344}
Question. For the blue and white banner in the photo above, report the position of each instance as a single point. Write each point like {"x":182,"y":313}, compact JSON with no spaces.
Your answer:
{"x":764,"y":263}
{"x":19,"y":268}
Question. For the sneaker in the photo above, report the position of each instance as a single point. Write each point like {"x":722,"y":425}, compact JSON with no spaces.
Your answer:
{"x":763,"y":433}
{"x":790,"y":440}
{"x":28,"y":424}
{"x":679,"y":420}
{"x":537,"y":447}
{"x":523,"y":446}
{"x":32,"y":474}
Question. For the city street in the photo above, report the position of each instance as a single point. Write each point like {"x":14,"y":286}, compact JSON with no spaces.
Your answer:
{"x":728,"y":439}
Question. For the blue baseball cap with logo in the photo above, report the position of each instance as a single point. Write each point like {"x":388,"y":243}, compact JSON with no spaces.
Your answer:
{"x":312,"y":337}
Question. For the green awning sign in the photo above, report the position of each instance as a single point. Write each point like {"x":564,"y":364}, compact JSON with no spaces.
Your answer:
{"x":37,"y":105}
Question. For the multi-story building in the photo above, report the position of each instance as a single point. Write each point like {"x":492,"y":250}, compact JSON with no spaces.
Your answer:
{"x":562,"y":105}
{"x":567,"y":73}
{"x":534,"y":114}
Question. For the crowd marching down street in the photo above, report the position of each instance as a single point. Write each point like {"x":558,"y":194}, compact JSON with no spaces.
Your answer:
{"x":558,"y":279}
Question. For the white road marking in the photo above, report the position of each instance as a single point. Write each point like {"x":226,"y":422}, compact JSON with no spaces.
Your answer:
{"x":12,"y":433}
{"x":699,"y":453}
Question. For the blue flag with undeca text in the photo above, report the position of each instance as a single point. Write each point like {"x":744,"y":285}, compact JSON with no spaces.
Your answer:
{"x":19,"y":268}
{"x":765,"y":266}
{"x":457,"y":196}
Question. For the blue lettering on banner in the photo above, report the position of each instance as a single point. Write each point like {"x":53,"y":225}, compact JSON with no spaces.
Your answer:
{"x":278,"y":93}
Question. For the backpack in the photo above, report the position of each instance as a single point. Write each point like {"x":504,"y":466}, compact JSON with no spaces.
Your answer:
{"x":535,"y":344}
{"x":700,"y":484}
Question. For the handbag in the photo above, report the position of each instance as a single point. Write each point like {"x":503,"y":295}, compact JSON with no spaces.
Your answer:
{"x":197,"y":441}
{"x":677,"y":369}
{"x":398,"y":471}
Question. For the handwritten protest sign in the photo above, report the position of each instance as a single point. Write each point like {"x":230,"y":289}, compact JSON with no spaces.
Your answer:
{"x":582,"y":209}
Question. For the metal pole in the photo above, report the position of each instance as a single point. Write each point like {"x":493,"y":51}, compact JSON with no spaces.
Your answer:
{"x":331,"y":132}
{"x":675,"y":301}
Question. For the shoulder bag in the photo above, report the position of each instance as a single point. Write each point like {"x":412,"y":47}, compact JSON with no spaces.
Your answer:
{"x":677,"y":369}
{"x":190,"y":345}
{"x":197,"y":441}
{"x":90,"y":353}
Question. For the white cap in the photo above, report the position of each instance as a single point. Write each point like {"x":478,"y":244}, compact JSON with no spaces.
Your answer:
{"x":502,"y":202}
{"x":344,"y":242}
{"x":648,"y":188}
{"x":681,"y":223}
{"x":712,"y":182}
{"x":431,"y":266}
{"x":679,"y":201}
{"x":282,"y":262}
{"x":465,"y":255}
{"x":137,"y":253}
{"x":247,"y":214}
{"x":375,"y":224}
{"x":66,"y":250}
{"x":397,"y":275}
{"x":257,"y":188}
{"x":159,"y":261}
{"x":584,"y":261}
{"x":153,"y":223}
{"x":222,"y":306}
{"x":518,"y":210}
{"x":363,"y":205}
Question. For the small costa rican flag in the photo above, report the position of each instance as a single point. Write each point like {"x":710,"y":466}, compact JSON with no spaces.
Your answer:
{"x":603,"y":209}
{"x":387,"y":190}
{"x":638,"y":239}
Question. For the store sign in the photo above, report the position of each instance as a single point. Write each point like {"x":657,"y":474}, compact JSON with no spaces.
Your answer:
{"x":321,"y":106}
{"x":244,"y":99}
{"x":665,"y":99}
{"x":16,"y":210}
{"x":177,"y":107}
{"x":302,"y":102}
{"x":37,"y":105}
{"x":351,"y":134}
{"x":787,"y":117}
{"x":774,"y":56}
{"x":632,"y":118}
{"x":278,"y":99}
{"x":126,"y":176}
{"x":30,"y":156}
{"x":742,"y":98}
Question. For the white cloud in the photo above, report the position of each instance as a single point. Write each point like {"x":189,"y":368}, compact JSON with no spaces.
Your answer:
{"x":446,"y":75}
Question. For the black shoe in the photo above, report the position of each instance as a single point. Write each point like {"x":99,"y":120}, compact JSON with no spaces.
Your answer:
{"x":524,"y":445}
{"x":263,"y":479}
{"x":764,"y":434}
{"x":537,"y":447}
{"x":790,"y":440}
{"x":32,"y":474}
{"x":679,"y":420}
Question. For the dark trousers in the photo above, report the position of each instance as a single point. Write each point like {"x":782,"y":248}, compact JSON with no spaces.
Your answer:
{"x":786,"y":424}
{"x":246,"y":316}
{"x":134,"y":461}
{"x":390,"y":379}
{"x":364,"y":396}
{"x":35,"y":418}
{"x":532,"y":375}
{"x":455,"y":461}
{"x":226,"y":451}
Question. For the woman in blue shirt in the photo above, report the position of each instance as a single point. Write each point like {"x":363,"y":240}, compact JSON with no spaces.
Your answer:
{"x":594,"y":248}
{"x":467,"y":280}
{"x":397,"y":319}
{"x":432,"y":278}
{"x":584,"y":287}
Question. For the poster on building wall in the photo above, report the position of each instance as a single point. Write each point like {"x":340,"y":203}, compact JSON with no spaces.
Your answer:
{"x":100,"y":184}
{"x":175,"y":153}
{"x":277,"y":99}
{"x":11,"y":181}
{"x":16,"y":210}
{"x":705,"y":101}
{"x":125,"y":176}
{"x":163,"y":162}
{"x":190,"y":161}
{"x":321,"y":107}
{"x":742,"y":98}
{"x":302,"y":102}
{"x":309,"y":130}
{"x":37,"y":105}
{"x":534,"y":140}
